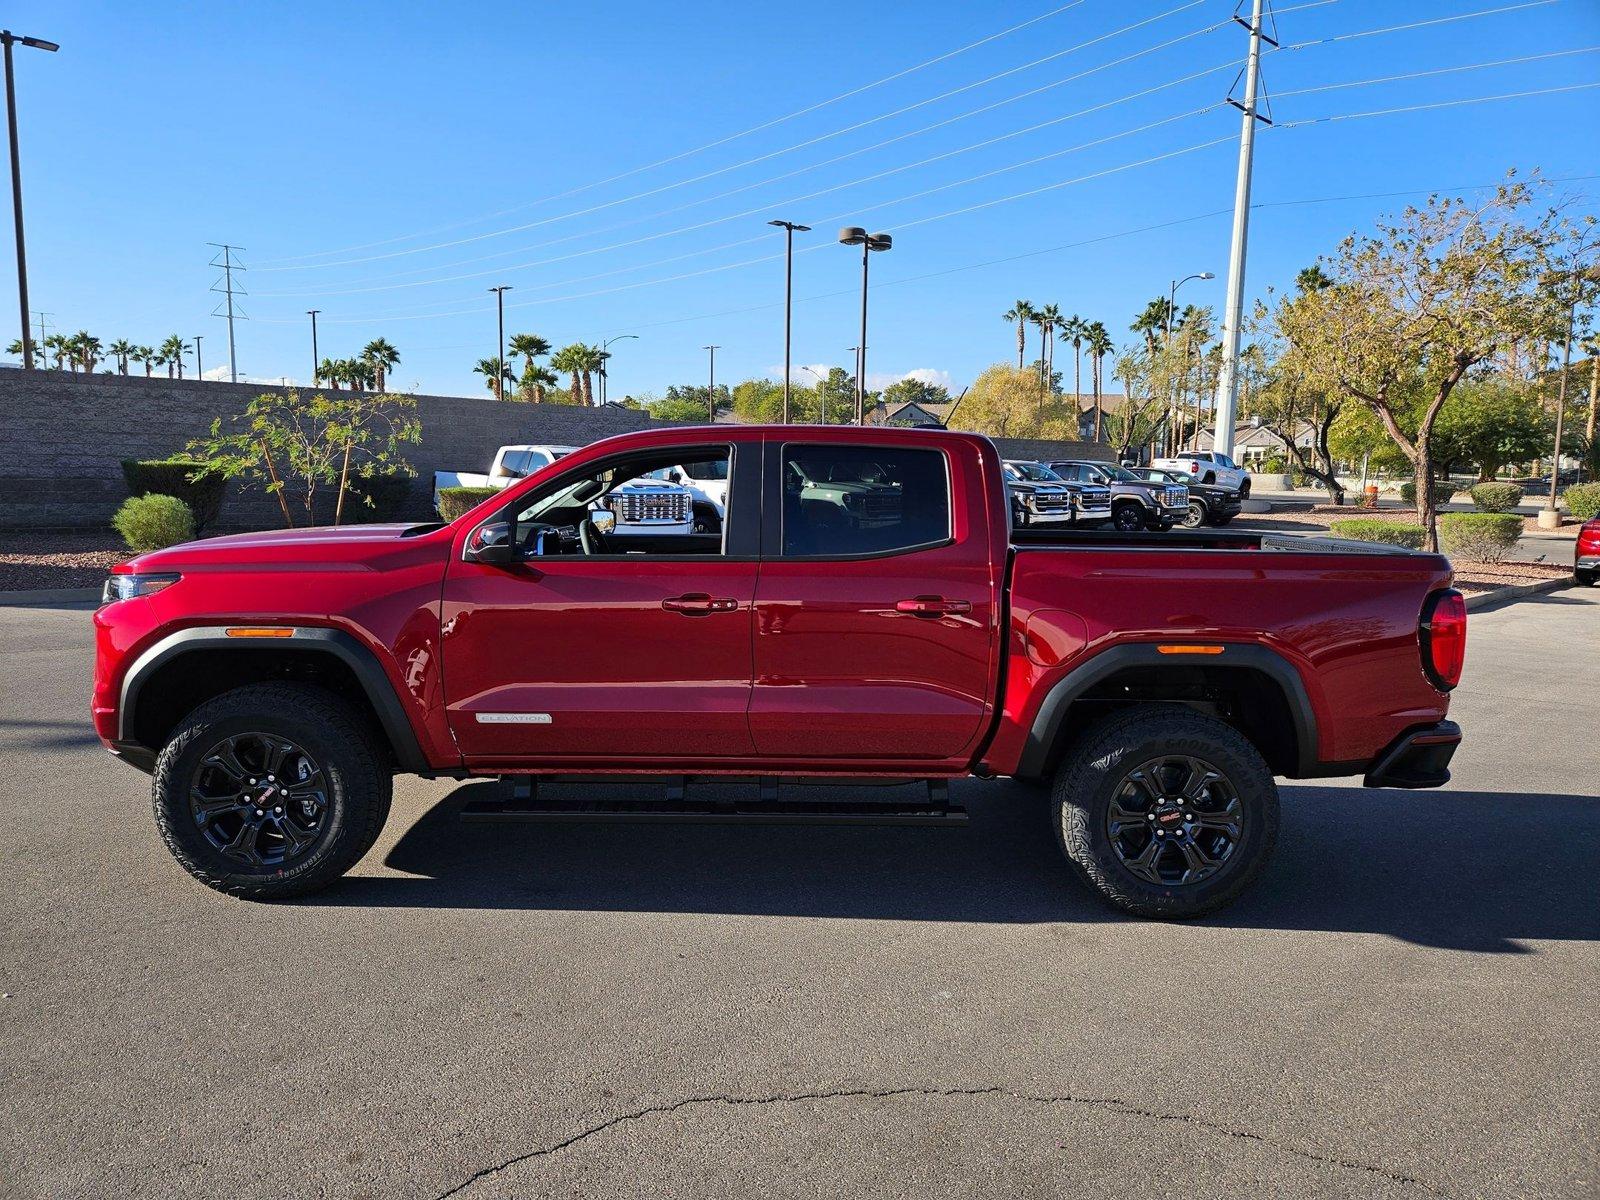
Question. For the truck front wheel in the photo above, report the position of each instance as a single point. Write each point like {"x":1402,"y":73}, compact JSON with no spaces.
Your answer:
{"x":271,"y":790}
{"x":1165,"y":812}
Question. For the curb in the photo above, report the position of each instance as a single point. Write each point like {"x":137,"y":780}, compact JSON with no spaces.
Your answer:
{"x":1506,"y":594}
{"x":44,"y":596}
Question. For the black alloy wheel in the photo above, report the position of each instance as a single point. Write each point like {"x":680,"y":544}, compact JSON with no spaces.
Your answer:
{"x":1127,"y":518}
{"x":1174,"y":821}
{"x":260,"y":800}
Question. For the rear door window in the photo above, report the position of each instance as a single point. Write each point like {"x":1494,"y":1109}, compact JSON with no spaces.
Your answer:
{"x":854,"y":500}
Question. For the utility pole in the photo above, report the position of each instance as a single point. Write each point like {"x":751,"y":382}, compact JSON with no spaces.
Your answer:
{"x":199,"y":371}
{"x":711,"y":387}
{"x":229,"y":290}
{"x":500,"y":346}
{"x":1233,"y":312}
{"x":790,"y":229}
{"x":9,"y":38}
{"x":316,"y":361}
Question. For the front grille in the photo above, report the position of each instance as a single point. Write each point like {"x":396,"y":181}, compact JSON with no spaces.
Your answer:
{"x":1094,"y":501}
{"x":638,"y":508}
{"x":879,"y":504}
{"x":1050,"y":503}
{"x":1177,"y":496}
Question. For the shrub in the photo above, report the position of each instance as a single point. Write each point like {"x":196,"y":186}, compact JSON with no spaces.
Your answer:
{"x":1441,"y":492}
{"x":1479,"y":537}
{"x":453,"y":501}
{"x":375,"y":498}
{"x":154,"y":522}
{"x":1496,"y":497}
{"x":171,"y":477}
{"x":1583,"y":500}
{"x":1368,"y":529}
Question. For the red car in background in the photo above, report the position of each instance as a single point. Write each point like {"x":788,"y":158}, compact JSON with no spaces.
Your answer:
{"x":1586,"y":555}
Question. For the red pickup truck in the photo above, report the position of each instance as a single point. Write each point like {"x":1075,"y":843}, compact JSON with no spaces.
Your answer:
{"x":865,"y":615}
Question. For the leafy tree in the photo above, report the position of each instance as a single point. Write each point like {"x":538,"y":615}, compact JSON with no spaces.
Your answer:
{"x":1002,"y":402}
{"x":1430,"y":294}
{"x":293,"y":445}
{"x":1142,"y":416}
{"x":1491,"y":423}
{"x":914,"y":391}
{"x":379,"y":358}
{"x":680,"y":407}
{"x":1020,"y":314}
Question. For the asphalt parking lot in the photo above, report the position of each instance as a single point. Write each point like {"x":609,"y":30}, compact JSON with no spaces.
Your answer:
{"x":1404,"y":1006}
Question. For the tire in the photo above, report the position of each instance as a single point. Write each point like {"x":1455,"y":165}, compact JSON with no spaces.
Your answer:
{"x":1096,"y":772}
{"x":1127,"y":517}
{"x":1585,"y":578}
{"x":1221,"y":521}
{"x":1196,"y":516}
{"x":1158,"y":526}
{"x":1210,"y":477}
{"x":342,"y":796}
{"x":1244,"y":490}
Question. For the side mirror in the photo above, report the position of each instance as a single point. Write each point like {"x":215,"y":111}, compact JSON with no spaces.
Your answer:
{"x":492,"y":544}
{"x":603,"y":519}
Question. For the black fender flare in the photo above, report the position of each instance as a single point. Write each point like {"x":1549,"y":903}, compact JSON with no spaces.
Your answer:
{"x":1049,"y":730}
{"x":349,"y":650}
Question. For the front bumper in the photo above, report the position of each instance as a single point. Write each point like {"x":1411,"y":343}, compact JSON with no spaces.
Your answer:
{"x":1418,"y":759}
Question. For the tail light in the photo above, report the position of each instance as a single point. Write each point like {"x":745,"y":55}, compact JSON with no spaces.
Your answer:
{"x":1444,"y":638}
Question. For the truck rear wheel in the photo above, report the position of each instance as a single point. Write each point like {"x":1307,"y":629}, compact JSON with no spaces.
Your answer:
{"x":271,"y":791}
{"x":1165,"y":812}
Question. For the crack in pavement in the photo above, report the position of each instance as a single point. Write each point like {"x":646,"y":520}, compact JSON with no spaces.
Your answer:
{"x":1104,"y":1102}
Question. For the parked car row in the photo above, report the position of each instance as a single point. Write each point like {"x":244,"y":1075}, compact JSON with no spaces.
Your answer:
{"x":1084,"y":493}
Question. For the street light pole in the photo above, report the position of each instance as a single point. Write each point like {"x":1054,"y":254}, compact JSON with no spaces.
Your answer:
{"x":854,"y":235}
{"x":789,"y":228}
{"x":711,"y":386}
{"x":7,"y":37}
{"x":1174,"y":436}
{"x":316,"y":362}
{"x":199,"y":369}
{"x":822,"y":396}
{"x":605,"y":375}
{"x":500,"y":344}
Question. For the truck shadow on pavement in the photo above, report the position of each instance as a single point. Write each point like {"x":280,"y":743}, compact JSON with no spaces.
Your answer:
{"x":1473,"y":871}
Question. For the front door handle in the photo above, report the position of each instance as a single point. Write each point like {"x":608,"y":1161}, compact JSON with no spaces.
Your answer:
{"x":699,"y":604}
{"x":932,"y":606}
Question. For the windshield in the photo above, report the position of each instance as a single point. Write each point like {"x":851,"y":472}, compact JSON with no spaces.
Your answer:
{"x":1034,"y":472}
{"x":1120,"y":474}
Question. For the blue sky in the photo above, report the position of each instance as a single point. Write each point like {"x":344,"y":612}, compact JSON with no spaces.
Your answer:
{"x":345,"y":144}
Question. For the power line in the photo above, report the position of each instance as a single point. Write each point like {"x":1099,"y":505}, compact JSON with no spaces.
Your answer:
{"x":1384,"y":112}
{"x":1504,"y":62}
{"x":759,"y":158}
{"x":1347,"y":37}
{"x":856,"y":153}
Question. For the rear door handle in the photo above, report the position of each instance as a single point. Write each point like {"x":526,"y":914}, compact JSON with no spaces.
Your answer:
{"x":699,"y":604}
{"x":932,"y":606}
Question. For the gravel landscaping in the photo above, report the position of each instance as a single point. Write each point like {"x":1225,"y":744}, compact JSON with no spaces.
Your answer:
{"x":57,"y":560}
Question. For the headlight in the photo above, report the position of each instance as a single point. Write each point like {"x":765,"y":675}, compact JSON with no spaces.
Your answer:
{"x":126,"y":587}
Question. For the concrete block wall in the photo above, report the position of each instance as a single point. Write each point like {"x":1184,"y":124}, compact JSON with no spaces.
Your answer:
{"x":63,"y":437}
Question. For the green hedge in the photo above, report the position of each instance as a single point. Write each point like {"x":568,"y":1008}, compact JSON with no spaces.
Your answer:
{"x":375,"y":498}
{"x":203,"y":493}
{"x":453,"y":501}
{"x":1479,"y":537}
{"x":1496,"y":497}
{"x":1441,"y":492}
{"x":1367,"y":529}
{"x":153,"y":522}
{"x":1583,"y":500}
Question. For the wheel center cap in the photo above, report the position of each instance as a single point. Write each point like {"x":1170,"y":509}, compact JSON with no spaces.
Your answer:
{"x":1169,"y":816}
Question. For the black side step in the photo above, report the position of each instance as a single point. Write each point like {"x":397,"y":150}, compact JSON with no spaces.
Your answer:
{"x":523,"y":802}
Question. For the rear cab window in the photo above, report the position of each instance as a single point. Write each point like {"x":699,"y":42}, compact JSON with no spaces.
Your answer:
{"x":863,"y":500}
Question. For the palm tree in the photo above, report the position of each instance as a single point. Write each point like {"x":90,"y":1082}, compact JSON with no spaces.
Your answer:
{"x":1020,"y":313}
{"x":85,"y":350}
{"x":529,"y":346}
{"x":1152,"y":321}
{"x":145,"y":355}
{"x":381,"y":358}
{"x":1045,"y":320}
{"x":494,"y":373}
{"x":56,"y":347}
{"x":328,"y":369}
{"x":1098,"y":339}
{"x":535,"y":379}
{"x":173,"y":350}
{"x":156,"y":357}
{"x":15,"y":347}
{"x":121,"y":350}
{"x":1074,"y":329}
{"x":572,"y":360}
{"x":1312,"y":279}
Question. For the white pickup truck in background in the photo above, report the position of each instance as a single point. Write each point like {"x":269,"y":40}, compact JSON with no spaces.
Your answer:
{"x":655,"y":504}
{"x":1208,"y":466}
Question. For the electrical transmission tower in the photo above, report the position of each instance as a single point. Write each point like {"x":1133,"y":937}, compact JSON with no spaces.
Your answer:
{"x":226,"y":263}
{"x":1227,"y":399}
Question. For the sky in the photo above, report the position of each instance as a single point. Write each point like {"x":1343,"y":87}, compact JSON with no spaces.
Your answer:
{"x":616,"y":165}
